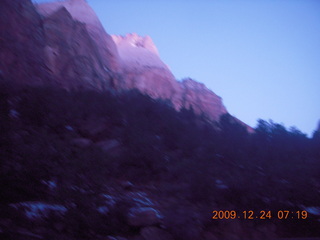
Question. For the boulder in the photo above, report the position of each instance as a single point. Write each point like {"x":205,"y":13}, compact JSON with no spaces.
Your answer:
{"x":143,"y":216}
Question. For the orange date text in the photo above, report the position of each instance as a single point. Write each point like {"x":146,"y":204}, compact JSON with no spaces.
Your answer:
{"x":263,"y":214}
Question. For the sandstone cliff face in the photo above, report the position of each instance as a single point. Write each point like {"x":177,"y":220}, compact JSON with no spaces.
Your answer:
{"x":82,"y":12}
{"x":54,"y":49}
{"x":22,"y":43}
{"x":201,"y":99}
{"x":71,"y":55}
{"x":64,"y":43}
{"x":144,"y":70}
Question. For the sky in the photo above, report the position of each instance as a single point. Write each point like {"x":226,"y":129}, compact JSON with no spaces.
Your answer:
{"x":261,"y":57}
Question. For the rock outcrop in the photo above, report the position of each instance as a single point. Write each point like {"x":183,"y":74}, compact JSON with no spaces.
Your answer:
{"x":201,"y":99}
{"x":144,"y":70}
{"x":131,"y":61}
{"x":22,"y":43}
{"x":71,"y":54}
{"x":82,"y":12}
{"x":143,"y":216}
{"x":55,"y":48}
{"x":64,"y":43}
{"x":78,"y":50}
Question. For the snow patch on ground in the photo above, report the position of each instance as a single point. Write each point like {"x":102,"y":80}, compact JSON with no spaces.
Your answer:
{"x":39,"y":209}
{"x":312,"y":210}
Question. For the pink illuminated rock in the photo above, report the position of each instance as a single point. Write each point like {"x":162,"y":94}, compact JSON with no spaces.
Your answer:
{"x":82,"y":12}
{"x":69,"y":47}
{"x":144,"y":70}
{"x":201,"y":99}
{"x":136,"y":52}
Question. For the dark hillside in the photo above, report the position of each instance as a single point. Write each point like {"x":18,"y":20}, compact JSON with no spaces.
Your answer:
{"x":91,"y":165}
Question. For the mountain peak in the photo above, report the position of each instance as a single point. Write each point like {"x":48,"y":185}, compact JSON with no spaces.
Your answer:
{"x":77,"y":52}
{"x":136,"y":41}
{"x":137,"y":52}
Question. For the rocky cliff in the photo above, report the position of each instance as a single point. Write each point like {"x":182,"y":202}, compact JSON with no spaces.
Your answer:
{"x":22,"y":42}
{"x":201,"y":99}
{"x":82,"y":12}
{"x":66,"y":43}
{"x":54,"y":48}
{"x":144,"y":70}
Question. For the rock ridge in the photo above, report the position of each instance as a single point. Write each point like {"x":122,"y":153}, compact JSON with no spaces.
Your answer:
{"x":136,"y":59}
{"x":65,"y":43}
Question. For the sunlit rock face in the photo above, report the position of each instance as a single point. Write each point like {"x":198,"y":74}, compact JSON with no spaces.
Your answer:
{"x":136,"y":51}
{"x":201,"y":99}
{"x":64,"y":43}
{"x":82,"y":12}
{"x":144,"y":70}
{"x":71,"y":55}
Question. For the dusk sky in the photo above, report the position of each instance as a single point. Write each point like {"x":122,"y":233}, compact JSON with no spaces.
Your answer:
{"x":261,"y":57}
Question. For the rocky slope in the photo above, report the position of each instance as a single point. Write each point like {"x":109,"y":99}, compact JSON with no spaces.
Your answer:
{"x":126,"y":167}
{"x":64,"y":43}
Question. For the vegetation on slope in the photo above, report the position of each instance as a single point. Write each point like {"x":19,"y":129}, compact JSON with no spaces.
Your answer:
{"x":188,"y":164}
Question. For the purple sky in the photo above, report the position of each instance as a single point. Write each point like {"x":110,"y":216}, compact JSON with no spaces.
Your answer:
{"x":261,"y":57}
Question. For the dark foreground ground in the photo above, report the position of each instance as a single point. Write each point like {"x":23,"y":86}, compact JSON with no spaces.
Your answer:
{"x":88,"y":165}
